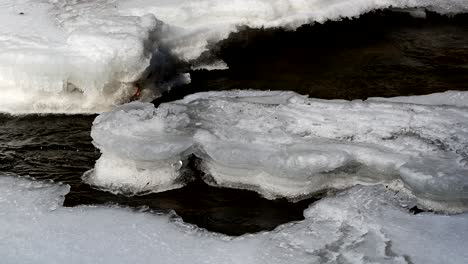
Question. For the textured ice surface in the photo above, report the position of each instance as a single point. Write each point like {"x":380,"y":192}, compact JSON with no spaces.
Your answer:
{"x":73,"y":56}
{"x":283,"y":144}
{"x":70,"y":56}
{"x":361,"y":225}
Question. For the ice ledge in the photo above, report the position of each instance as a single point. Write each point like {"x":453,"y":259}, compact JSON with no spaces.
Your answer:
{"x":73,"y":56}
{"x":281,"y":144}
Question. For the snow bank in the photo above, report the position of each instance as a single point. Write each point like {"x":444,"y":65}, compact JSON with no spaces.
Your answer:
{"x":69,"y":56}
{"x":363,"y":224}
{"x":283,"y":144}
{"x":85,"y":56}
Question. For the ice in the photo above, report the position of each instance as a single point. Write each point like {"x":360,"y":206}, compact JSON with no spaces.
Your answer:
{"x":369,"y":222}
{"x":70,"y":56}
{"x":360,"y":225}
{"x":149,"y":152}
{"x":73,"y":56}
{"x":201,"y":22}
{"x":282,"y":144}
{"x":454,"y":98}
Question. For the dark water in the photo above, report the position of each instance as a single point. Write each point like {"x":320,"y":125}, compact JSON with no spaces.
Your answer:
{"x":380,"y":54}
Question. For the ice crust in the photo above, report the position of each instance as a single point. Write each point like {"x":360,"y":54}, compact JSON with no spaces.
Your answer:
{"x":282,"y":144}
{"x":74,"y":56}
{"x":453,"y":98}
{"x":366,"y":224}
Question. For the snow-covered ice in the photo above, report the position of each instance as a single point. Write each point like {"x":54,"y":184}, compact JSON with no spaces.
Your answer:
{"x":282,"y":144}
{"x":366,"y":224}
{"x":72,"y":56}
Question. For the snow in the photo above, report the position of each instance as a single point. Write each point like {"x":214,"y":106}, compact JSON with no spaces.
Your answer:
{"x":361,"y":225}
{"x":282,"y":144}
{"x":74,"y":56}
{"x":69,"y":56}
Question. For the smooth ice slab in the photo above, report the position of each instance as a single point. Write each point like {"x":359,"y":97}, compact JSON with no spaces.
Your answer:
{"x":282,"y":144}
{"x":361,"y":225}
{"x":87,"y":56}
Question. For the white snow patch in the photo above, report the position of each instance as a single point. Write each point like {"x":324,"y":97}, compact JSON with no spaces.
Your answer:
{"x":361,"y":225}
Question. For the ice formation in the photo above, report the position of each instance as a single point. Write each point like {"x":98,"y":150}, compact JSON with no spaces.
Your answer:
{"x":361,"y":225}
{"x":287,"y":145}
{"x":73,"y":56}
{"x":453,"y":98}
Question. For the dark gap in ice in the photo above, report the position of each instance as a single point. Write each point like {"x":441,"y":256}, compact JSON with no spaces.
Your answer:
{"x":229,"y":211}
{"x":164,"y":71}
{"x":416,"y":210}
{"x":71,"y":88}
{"x":381,"y":53}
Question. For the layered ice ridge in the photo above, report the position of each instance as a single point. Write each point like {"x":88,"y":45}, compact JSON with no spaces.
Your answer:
{"x":365,"y":224}
{"x":282,"y":144}
{"x":70,"y":56}
{"x":87,"y":56}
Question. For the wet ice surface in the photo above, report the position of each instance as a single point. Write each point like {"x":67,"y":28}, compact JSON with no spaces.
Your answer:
{"x":281,"y":144}
{"x":361,"y":225}
{"x":86,"y":57}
